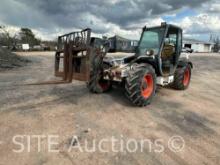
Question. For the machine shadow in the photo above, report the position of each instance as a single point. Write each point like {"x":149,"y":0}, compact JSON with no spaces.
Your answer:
{"x":118,"y":95}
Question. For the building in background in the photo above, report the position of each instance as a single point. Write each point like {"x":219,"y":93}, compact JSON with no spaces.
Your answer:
{"x":120,"y":44}
{"x":198,"y":46}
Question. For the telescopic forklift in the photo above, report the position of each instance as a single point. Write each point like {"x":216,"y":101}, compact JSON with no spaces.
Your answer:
{"x":157,"y":61}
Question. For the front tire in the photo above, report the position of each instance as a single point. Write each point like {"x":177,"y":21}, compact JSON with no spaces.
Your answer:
{"x":97,"y":84}
{"x":140,"y":85}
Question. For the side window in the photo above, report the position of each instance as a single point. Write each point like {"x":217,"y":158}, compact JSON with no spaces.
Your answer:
{"x":170,"y":45}
{"x":173,"y":39}
{"x":180,"y":41}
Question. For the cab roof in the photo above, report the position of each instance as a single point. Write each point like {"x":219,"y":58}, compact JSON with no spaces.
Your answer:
{"x":163,"y":24}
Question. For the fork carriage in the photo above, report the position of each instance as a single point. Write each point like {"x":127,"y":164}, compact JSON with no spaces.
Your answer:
{"x":73,"y":53}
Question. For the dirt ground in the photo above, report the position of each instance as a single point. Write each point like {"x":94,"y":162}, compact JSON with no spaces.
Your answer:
{"x":69,"y":110}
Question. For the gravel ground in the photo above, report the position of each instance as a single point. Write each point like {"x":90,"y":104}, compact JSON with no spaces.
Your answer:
{"x":68,"y":110}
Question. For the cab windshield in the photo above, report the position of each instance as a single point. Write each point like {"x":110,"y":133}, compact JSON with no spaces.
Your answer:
{"x":151,"y":40}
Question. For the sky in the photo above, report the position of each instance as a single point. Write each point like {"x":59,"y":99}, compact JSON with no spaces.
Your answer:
{"x":50,"y":18}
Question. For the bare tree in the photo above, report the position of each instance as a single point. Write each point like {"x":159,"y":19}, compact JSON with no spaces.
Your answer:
{"x":6,"y":38}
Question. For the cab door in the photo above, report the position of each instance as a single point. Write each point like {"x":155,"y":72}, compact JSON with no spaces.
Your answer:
{"x":171,"y":50}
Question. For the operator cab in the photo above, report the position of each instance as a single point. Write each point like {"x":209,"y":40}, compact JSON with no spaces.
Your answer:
{"x":162,"y":47}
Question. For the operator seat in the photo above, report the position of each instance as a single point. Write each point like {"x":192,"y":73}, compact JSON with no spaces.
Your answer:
{"x":167,"y":57}
{"x":168,"y":51}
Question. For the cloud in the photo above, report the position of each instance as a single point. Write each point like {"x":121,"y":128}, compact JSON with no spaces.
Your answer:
{"x":200,"y":26}
{"x":52,"y":17}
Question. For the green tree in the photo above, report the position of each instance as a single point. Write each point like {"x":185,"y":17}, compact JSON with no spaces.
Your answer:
{"x":27,"y":36}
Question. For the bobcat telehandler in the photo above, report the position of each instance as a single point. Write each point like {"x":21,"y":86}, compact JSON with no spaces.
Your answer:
{"x":157,"y":61}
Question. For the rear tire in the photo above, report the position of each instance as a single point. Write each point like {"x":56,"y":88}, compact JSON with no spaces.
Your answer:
{"x":182,"y":77}
{"x":140,"y":85}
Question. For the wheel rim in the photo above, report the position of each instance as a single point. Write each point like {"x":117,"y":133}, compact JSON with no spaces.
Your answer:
{"x":147,"y":86}
{"x":186,"y":77}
